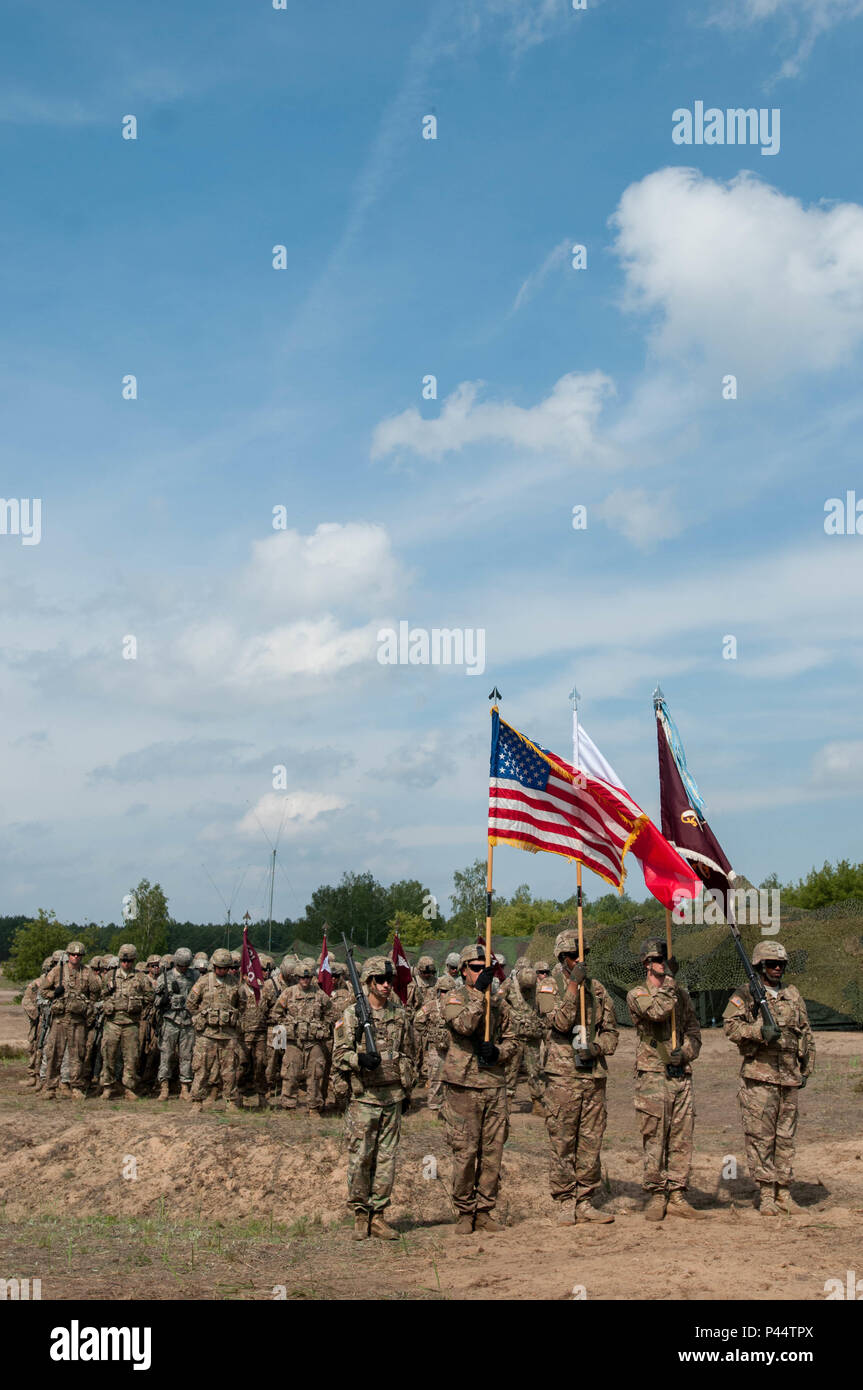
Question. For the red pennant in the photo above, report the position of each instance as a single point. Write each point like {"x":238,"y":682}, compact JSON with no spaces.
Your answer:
{"x":251,"y":966}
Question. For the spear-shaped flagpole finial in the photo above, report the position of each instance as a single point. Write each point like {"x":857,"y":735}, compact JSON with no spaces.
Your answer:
{"x":495,"y":694}
{"x":658,"y":696}
{"x":574,"y":697}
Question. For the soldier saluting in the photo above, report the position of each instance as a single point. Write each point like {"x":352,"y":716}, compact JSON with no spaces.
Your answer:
{"x":777,"y":1062}
{"x":659,"y":1009}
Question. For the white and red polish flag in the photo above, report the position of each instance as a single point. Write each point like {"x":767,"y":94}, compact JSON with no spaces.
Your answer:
{"x":250,"y":966}
{"x":537,"y":801}
{"x":325,"y":972}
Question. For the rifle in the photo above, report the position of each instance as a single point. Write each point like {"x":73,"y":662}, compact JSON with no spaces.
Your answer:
{"x":364,"y":1012}
{"x":756,"y":988}
{"x":45,"y":1022}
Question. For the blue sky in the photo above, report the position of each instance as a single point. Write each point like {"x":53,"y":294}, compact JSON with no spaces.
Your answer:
{"x":303,"y":388}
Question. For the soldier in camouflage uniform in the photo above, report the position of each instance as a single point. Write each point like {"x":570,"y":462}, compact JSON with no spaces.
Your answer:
{"x":73,"y":989}
{"x":475,"y":1109}
{"x":256,"y":1013}
{"x":216,"y":1007}
{"x":177,"y":1037}
{"x":125,"y":992}
{"x":276,"y":1036}
{"x":433,"y":1034}
{"x":451,"y":974}
{"x":339,"y":1090}
{"x":520,"y":993}
{"x":380,"y":1084}
{"x":775,"y":1067}
{"x":30,"y":1003}
{"x":148,"y":1029}
{"x":307,"y":1016}
{"x":663,"y":1087}
{"x":93,"y":1048}
{"x":574,"y":1102}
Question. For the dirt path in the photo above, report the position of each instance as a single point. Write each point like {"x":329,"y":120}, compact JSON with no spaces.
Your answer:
{"x":148,"y":1201}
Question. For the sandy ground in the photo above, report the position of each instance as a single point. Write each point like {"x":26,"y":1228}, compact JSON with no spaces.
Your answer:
{"x":145,"y":1200}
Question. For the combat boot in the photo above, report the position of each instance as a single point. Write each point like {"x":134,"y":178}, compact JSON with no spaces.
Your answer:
{"x":767,"y":1205}
{"x":31,"y":1081}
{"x":65,"y":1090}
{"x":488,"y":1222}
{"x":164,"y":1091}
{"x":39,"y":1086}
{"x":106,"y":1092}
{"x":678,"y":1206}
{"x":129,"y":1094}
{"x":585,"y":1212}
{"x":51,"y":1094}
{"x":784,"y":1202}
{"x":381,"y":1228}
{"x":78,"y":1093}
{"x":464,"y":1225}
{"x":537,"y":1108}
{"x":185,"y":1091}
{"x":232,"y":1105}
{"x":655,"y":1209}
{"x":566,"y":1212}
{"x":361,"y":1225}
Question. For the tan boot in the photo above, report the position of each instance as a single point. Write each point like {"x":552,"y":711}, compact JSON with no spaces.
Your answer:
{"x":767,"y":1204}
{"x":51,"y":1095}
{"x":361,"y":1226}
{"x":488,"y":1222}
{"x":381,"y":1228}
{"x":464,"y":1225}
{"x":566,"y":1212}
{"x":65,"y":1090}
{"x":165,"y":1091}
{"x":185,"y":1091}
{"x":31,"y":1081}
{"x":655,"y":1209}
{"x":232,"y":1105}
{"x":585,"y":1212}
{"x":537,"y":1108}
{"x":784,"y":1202}
{"x":129,"y":1094}
{"x":678,"y":1206}
{"x":78,"y":1094}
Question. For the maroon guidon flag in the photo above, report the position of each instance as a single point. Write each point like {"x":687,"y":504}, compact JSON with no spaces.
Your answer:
{"x":325,"y":971}
{"x":402,"y":970}
{"x":251,"y":966}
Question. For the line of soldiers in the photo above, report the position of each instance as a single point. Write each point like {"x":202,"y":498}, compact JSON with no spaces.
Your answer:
{"x":197,"y":1023}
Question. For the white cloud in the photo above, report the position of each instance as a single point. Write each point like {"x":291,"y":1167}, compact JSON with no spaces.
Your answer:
{"x":288,"y":812}
{"x":563,"y":423}
{"x":555,"y":258}
{"x":643,"y":518}
{"x":740,"y":274}
{"x":345,"y":565}
{"x":805,"y":21}
{"x":839,"y":763}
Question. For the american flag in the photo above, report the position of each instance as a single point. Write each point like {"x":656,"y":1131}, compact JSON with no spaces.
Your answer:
{"x":537,"y":801}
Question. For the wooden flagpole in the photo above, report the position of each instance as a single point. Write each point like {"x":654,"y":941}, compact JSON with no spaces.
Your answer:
{"x":495,"y":695}
{"x":574,"y":699}
{"x":657,"y":696}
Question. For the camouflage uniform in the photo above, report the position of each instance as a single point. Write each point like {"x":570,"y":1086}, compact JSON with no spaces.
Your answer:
{"x":307,"y":1017}
{"x":373,"y":1117}
{"x":73,"y":992}
{"x":256,"y":1013}
{"x":574,"y":1101}
{"x":30,"y":1005}
{"x":124,"y":994}
{"x":177,"y":1038}
{"x":475,"y":1109}
{"x":216,"y":1008}
{"x":520,"y":993}
{"x":433,"y":1035}
{"x":339,"y":1090}
{"x":770,"y":1077}
{"x":148,"y":1031}
{"x":664,"y":1104}
{"x":275,"y":1055}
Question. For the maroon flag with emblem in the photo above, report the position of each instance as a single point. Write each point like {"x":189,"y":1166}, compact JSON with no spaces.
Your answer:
{"x":251,"y":966}
{"x":402,"y":970}
{"x":325,"y":973}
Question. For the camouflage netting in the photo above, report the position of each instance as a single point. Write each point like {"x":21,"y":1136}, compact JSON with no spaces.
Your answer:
{"x":825,"y":947}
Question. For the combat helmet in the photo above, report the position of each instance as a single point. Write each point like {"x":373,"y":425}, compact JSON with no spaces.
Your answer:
{"x":128,"y":952}
{"x":376,"y":965}
{"x":651,"y":949}
{"x":182,"y":956}
{"x":425,"y":965}
{"x":452,"y":959}
{"x":221,"y":957}
{"x":75,"y":948}
{"x":46,"y":964}
{"x":526,"y":977}
{"x":469,"y":953}
{"x":154,"y":959}
{"x":111,"y":962}
{"x":96,"y":963}
{"x":566,"y":943}
{"x":769,"y":950}
{"x":167,"y":960}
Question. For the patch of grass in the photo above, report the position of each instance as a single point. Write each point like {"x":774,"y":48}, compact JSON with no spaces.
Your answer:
{"x":299,"y":1229}
{"x":13,"y":1052}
